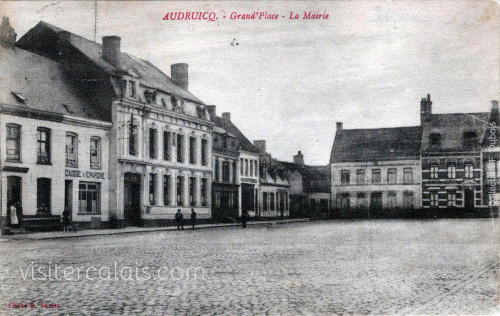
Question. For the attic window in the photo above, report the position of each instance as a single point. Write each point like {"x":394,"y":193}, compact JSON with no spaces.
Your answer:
{"x":67,"y":108}
{"x":19,"y":97}
{"x":435,"y":139}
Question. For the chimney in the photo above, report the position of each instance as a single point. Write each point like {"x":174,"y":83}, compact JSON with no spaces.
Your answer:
{"x":340,"y":126}
{"x":7,"y":34}
{"x":226,"y":116}
{"x":111,"y":50}
{"x":260,"y":144}
{"x":425,"y":109}
{"x":494,"y":117}
{"x":299,"y":158}
{"x":179,"y":74}
{"x":211,"y":111}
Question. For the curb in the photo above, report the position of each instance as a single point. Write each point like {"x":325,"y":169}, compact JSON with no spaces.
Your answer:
{"x":151,"y":230}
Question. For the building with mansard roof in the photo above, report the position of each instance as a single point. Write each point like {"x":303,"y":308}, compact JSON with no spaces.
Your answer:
{"x":160,"y":140}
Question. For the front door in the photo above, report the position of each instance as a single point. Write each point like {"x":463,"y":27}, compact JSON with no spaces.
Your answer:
{"x":132,"y":199}
{"x":14,"y":193}
{"x":376,"y":201}
{"x":469,"y":199}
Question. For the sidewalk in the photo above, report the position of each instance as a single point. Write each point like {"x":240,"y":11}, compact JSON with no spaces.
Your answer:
{"x":130,"y":230}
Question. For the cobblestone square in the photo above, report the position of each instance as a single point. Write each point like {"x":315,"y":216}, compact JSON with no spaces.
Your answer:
{"x":320,"y":268}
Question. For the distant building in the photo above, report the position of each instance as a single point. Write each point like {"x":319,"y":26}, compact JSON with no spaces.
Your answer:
{"x":274,"y":185}
{"x":376,"y":172}
{"x":452,"y":166}
{"x":55,"y":143}
{"x":309,"y":188}
{"x":248,"y":178}
{"x":161,"y":135}
{"x":226,"y":178}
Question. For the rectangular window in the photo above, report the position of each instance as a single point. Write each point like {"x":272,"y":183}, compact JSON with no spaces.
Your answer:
{"x":180,"y":190}
{"x":71,"y":150}
{"x":408,"y":200}
{"x":192,"y":150}
{"x":251,"y":169}
{"x":241,"y":167}
{"x":152,"y":143}
{"x":225,"y":171}
{"x":246,"y":167}
{"x":167,"y":189}
{"x":95,"y":152}
{"x":235,"y":171}
{"x":132,"y":138}
{"x":13,"y":142}
{"x":435,"y":139}
{"x":408,"y":175}
{"x":452,"y":199}
{"x":391,"y":175}
{"x":131,"y":89}
{"x":391,"y":200}
{"x":192,"y":191}
{"x":43,"y":195}
{"x":434,"y":199}
{"x":265,"y":203}
{"x":216,"y":168}
{"x":360,"y":176}
{"x":43,"y":145}
{"x":469,"y":171}
{"x":89,"y":198}
{"x":361,"y":200}
{"x":434,"y":172}
{"x":376,"y":178}
{"x":152,"y":189}
{"x":204,"y":192}
{"x":345,"y":177}
{"x":271,"y":201}
{"x":452,"y":172}
{"x":256,"y":169}
{"x":204,"y":152}
{"x":180,"y":148}
{"x":167,"y":146}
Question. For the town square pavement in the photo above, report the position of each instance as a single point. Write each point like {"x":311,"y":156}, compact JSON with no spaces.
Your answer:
{"x":320,"y":268}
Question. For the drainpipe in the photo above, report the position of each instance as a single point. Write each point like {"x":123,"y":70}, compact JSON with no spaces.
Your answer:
{"x":3,"y":213}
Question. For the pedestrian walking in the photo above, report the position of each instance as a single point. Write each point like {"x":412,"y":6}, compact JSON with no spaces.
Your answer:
{"x":244,"y":217}
{"x":193,"y":217}
{"x":179,"y":217}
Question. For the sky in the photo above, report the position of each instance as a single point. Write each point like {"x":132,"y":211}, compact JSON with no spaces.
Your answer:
{"x":288,"y":81}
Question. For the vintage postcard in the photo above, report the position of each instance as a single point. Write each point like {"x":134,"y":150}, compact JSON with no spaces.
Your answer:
{"x":249,"y":157}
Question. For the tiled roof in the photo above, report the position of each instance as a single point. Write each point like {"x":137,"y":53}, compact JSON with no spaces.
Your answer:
{"x":149,"y":74}
{"x":314,"y":178}
{"x":357,"y":145}
{"x":34,"y":82}
{"x":451,"y":128}
{"x":246,"y":145}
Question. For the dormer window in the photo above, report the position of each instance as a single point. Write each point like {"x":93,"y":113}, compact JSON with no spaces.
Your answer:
{"x":435,"y":139}
{"x":19,"y":97}
{"x":470,"y":139}
{"x":131,"y":89}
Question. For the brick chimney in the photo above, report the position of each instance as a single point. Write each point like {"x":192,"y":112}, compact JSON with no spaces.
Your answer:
{"x":299,"y":158}
{"x":179,"y":74}
{"x":425,"y":109}
{"x":111,"y":50}
{"x":340,"y":126}
{"x":494,"y":117}
{"x":260,"y":144}
{"x":226,"y":116}
{"x":7,"y":34}
{"x":211,"y":111}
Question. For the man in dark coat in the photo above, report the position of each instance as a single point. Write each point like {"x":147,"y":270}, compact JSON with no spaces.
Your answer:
{"x":193,"y":217}
{"x":179,"y":217}
{"x":244,"y":217}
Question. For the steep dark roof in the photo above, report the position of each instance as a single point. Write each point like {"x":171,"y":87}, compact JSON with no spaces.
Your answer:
{"x":356,"y":145}
{"x":33,"y":82}
{"x":149,"y":74}
{"x":314,"y":178}
{"x":452,"y":127}
{"x":246,"y":145}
